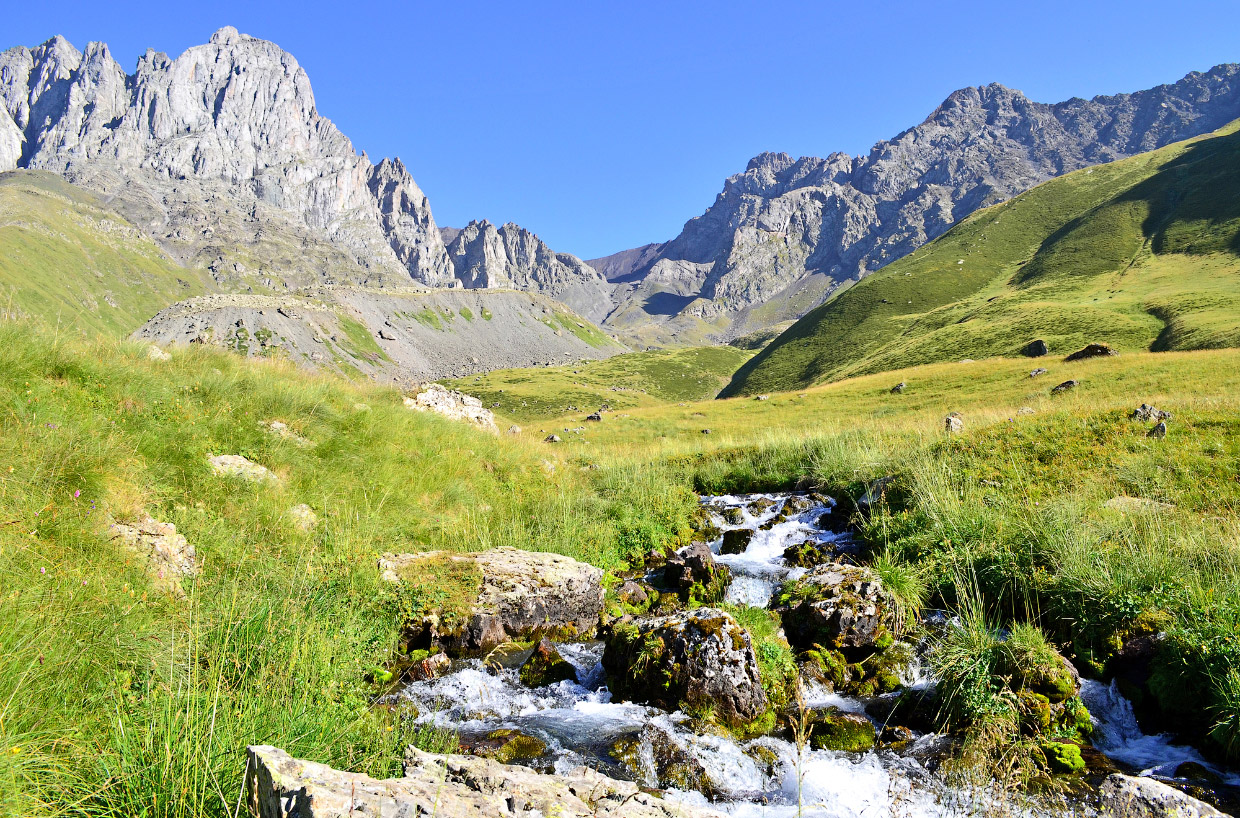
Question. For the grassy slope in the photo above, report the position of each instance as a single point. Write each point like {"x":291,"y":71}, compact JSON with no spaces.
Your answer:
{"x":68,"y":260}
{"x":623,"y":382}
{"x":1141,"y":254}
{"x":110,"y":690}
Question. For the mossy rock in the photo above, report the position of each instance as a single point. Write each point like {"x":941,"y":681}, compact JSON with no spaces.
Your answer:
{"x":1063,"y":757}
{"x":1035,"y":712}
{"x":546,"y":667}
{"x":736,"y":541}
{"x":808,"y":554}
{"x":845,"y":732}
{"x":732,"y":515}
{"x":507,"y":746}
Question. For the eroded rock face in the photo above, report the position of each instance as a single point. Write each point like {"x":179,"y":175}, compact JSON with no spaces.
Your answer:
{"x":279,"y":786}
{"x":700,"y":658}
{"x":839,"y":607}
{"x":1126,"y":796}
{"x":452,"y":404}
{"x":169,"y":557}
{"x":520,"y":594}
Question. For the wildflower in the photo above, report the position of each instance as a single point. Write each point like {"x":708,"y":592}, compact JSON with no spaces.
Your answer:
{"x":15,"y":750}
{"x":77,"y":493}
{"x":41,"y":570}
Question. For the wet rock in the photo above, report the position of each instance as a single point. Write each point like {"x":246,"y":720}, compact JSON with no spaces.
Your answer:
{"x":700,"y":659}
{"x":836,"y":606}
{"x":519,"y":594}
{"x":1065,"y":386}
{"x":898,"y":388}
{"x":168,"y":556}
{"x":446,"y":786}
{"x":452,"y":404}
{"x":736,"y":540}
{"x":1036,"y":349}
{"x":1159,"y":431}
{"x":801,"y":503}
{"x":1039,"y":372}
{"x":704,"y":525}
{"x":653,"y":757}
{"x":694,"y":572}
{"x":1091,"y":351}
{"x":954,"y":423}
{"x":834,"y":729}
{"x":808,"y":554}
{"x":898,"y":735}
{"x":505,"y":746}
{"x":732,"y":515}
{"x":303,"y":517}
{"x":915,"y":708}
{"x":546,"y":667}
{"x":424,"y":667}
{"x":1126,"y":796}
{"x":760,"y":506}
{"x":1147,"y":413}
{"x":234,"y":465}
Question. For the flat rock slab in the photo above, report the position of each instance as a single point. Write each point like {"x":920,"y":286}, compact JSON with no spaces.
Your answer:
{"x":521,"y":593}
{"x":446,"y":786}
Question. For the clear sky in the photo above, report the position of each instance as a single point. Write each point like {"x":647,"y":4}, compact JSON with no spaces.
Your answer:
{"x":605,"y":125}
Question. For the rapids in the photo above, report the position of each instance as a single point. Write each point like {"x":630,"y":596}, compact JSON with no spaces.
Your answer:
{"x":762,"y":778}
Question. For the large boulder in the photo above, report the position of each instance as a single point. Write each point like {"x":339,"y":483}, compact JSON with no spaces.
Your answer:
{"x":1091,"y":351}
{"x":497,"y":596}
{"x":1126,"y":796}
{"x":839,"y":607}
{"x":446,"y":786}
{"x":452,"y":404}
{"x":699,"y":659}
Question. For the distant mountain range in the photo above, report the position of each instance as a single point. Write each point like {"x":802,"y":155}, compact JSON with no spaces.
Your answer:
{"x":221,"y":157}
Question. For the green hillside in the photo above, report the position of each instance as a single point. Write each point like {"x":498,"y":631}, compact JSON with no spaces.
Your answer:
{"x":1142,"y":254}
{"x":622,"y":382}
{"x":68,"y":260}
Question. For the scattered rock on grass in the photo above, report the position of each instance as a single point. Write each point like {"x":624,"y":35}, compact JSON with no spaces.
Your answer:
{"x":234,"y":465}
{"x":1065,"y":386}
{"x":514,"y":429}
{"x":1133,"y":505}
{"x":1091,"y":351}
{"x":954,"y":422}
{"x":1159,"y":430}
{"x":280,"y":429}
{"x":1036,"y":373}
{"x":303,"y":517}
{"x":551,"y":439}
{"x":1147,"y":413}
{"x":452,"y":404}
{"x":594,"y":416}
{"x":898,"y":388}
{"x":157,"y":354}
{"x":1025,"y":410}
{"x":168,"y":555}
{"x":1036,"y":349}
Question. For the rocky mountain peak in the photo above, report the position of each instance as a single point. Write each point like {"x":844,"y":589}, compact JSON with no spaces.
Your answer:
{"x":228,"y":35}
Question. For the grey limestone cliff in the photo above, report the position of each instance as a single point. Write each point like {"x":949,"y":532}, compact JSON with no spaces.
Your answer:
{"x":786,"y":231}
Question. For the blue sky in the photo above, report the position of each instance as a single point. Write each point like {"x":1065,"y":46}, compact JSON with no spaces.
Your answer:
{"x":602,"y":126}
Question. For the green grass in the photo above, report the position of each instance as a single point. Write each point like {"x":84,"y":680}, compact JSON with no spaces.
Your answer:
{"x":428,"y":317}
{"x":118,"y":700}
{"x":67,"y":260}
{"x":623,"y":382}
{"x":1141,"y":254}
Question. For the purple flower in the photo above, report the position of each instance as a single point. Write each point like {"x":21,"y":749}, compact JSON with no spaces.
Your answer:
{"x":42,"y":570}
{"x":77,"y":493}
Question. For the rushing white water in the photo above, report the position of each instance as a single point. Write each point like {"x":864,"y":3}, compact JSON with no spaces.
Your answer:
{"x":762,"y":778}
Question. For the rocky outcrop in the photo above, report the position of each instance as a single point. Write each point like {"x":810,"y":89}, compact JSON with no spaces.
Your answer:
{"x":787,"y":231}
{"x":454,"y":405}
{"x":1127,"y":796}
{"x":693,"y":571}
{"x":447,"y":786}
{"x":169,"y":557}
{"x":518,"y":594}
{"x":232,"y":120}
{"x":698,"y":659}
{"x":483,"y":255}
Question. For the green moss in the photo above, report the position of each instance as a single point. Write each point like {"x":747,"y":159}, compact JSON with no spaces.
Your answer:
{"x":507,"y":746}
{"x":1062,"y":757}
{"x":844,"y":732}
